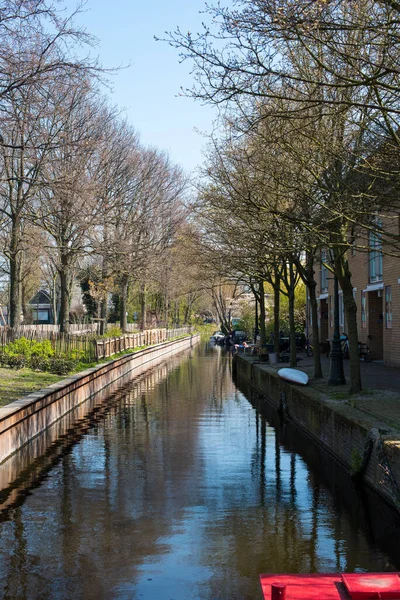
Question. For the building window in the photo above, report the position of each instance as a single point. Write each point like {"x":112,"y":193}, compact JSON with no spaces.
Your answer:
{"x":375,"y":257}
{"x":388,"y":306}
{"x":324,"y":273}
{"x":363,"y":310}
{"x":324,"y":279}
{"x":40,"y":315}
{"x":341,"y":311}
{"x":331,"y":311}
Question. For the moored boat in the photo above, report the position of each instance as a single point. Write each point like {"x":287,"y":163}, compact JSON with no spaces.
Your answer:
{"x":348,"y":586}
{"x":294,"y":376}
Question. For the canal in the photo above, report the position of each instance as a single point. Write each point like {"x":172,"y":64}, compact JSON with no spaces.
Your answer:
{"x":182,"y":486}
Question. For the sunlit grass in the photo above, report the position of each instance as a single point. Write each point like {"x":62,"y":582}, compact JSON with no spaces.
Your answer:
{"x":16,"y":383}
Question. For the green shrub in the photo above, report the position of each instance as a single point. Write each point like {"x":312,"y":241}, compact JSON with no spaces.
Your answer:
{"x":27,"y":348}
{"x":22,"y":346}
{"x":77,"y":355}
{"x":113,"y":331}
{"x":39,"y":363}
{"x":61,"y":365}
{"x":16,"y":361}
{"x":43,"y":348}
{"x":39,"y":356}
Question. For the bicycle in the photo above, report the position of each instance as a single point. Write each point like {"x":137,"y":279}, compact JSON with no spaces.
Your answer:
{"x":344,"y":345}
{"x":344,"y":340}
{"x":364,"y":352}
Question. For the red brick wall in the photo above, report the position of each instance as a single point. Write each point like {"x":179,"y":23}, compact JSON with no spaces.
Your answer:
{"x":359,"y":265}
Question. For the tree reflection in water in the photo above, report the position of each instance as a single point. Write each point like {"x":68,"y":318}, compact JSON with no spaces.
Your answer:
{"x":180,"y":486}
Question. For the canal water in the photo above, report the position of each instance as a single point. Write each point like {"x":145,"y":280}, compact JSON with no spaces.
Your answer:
{"x":178,"y":487}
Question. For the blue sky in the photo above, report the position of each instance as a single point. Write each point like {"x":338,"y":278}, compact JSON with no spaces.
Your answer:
{"x":148,"y":88}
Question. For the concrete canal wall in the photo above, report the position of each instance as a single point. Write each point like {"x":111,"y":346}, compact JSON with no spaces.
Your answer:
{"x":24,"y":419}
{"x":366,"y":447}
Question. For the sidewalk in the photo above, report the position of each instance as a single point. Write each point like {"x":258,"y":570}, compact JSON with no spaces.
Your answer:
{"x":381,"y":388}
{"x":361,"y":430}
{"x":375,"y":375}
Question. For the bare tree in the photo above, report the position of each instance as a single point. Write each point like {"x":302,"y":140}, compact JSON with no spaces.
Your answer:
{"x":68,"y":206}
{"x":24,"y":148}
{"x":145,"y":219}
{"x":37,"y":41}
{"x":116,"y":157}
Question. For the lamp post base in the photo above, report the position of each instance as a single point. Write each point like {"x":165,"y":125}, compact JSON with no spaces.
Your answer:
{"x":336,"y":375}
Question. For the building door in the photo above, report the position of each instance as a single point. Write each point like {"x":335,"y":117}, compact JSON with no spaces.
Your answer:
{"x":323,"y":322}
{"x":375,"y":324}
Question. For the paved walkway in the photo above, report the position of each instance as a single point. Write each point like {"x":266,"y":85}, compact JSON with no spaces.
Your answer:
{"x":375,"y":375}
{"x":381,"y":394}
{"x":349,"y":424}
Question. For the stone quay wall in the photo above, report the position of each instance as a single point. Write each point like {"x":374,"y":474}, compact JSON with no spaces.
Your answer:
{"x":367,"y":449}
{"x":24,"y":419}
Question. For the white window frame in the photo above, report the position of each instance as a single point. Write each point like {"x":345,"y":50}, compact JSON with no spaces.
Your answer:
{"x":323,"y":273}
{"x":341,"y":311}
{"x":375,"y":268}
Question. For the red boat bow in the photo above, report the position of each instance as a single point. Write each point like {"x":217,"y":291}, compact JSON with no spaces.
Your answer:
{"x":350,"y":586}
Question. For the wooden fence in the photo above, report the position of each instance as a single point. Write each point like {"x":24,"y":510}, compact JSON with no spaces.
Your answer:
{"x":44,"y":331}
{"x":88,"y":348}
{"x":81,"y":347}
{"x":108,"y":346}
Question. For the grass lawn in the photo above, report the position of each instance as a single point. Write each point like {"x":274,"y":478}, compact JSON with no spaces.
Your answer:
{"x":16,"y":383}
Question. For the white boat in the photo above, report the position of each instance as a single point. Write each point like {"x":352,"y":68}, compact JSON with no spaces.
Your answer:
{"x":294,"y":376}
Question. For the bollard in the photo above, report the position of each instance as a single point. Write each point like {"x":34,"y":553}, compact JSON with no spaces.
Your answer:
{"x":278,"y":591}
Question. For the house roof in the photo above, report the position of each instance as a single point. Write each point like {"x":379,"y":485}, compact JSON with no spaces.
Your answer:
{"x":41,"y":297}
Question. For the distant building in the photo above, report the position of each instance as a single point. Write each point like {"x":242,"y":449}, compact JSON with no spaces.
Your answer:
{"x":41,"y":309}
{"x":376,"y":290}
{"x":3,"y":316}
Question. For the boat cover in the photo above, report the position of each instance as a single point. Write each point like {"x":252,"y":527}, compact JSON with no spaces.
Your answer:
{"x":372,"y":586}
{"x":307,"y":587}
{"x":330,"y":586}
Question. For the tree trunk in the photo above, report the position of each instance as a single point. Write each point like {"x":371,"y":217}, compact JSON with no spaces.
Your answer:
{"x":263,"y":333}
{"x":276,"y":316}
{"x":256,"y":319}
{"x":64,"y":297}
{"x":292,"y":328}
{"x":311,"y":285}
{"x":176,"y":314}
{"x":54,"y":299}
{"x":104,"y":301}
{"x":103,"y":315}
{"x":350,"y":308}
{"x":15,"y":281}
{"x":188,"y":310}
{"x":24,"y":304}
{"x":143,"y":307}
{"x":220,"y":309}
{"x":315,"y":331}
{"x":123,"y":322}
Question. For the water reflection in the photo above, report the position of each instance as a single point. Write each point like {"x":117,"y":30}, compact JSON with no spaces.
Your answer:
{"x":177,"y":487}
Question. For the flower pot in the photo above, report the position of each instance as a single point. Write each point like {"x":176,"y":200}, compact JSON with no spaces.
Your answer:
{"x":273,"y":358}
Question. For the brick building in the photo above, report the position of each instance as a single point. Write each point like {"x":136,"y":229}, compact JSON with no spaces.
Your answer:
{"x":376,"y":289}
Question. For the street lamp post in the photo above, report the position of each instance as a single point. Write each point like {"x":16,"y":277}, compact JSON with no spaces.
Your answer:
{"x":336,"y":375}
